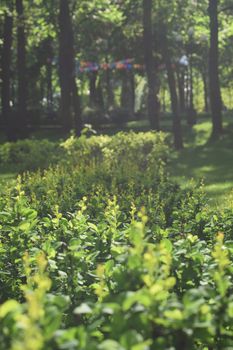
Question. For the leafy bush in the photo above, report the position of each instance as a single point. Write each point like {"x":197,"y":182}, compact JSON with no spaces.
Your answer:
{"x":103,"y":251}
{"x":121,"y":153}
{"x":125,"y":164}
{"x":32,"y":154}
{"x":29,"y":154}
{"x":102,"y":283}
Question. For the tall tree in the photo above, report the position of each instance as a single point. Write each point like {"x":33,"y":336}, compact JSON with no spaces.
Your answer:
{"x":93,"y":88}
{"x":181,"y":88}
{"x":49,"y":73}
{"x":177,"y":131}
{"x":71,"y":117}
{"x":215,"y":92}
{"x":148,"y":38}
{"x":21,"y":121}
{"x":6,"y":64}
{"x":206,"y":91}
{"x":109,"y":87}
{"x":128,"y":92}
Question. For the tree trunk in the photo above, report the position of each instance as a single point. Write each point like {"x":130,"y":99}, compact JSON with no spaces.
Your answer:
{"x":93,"y":88}
{"x":22,"y":71}
{"x":177,"y":130}
{"x":65,"y":65}
{"x":100,"y":97}
{"x":206,"y":92}
{"x":124,"y":91}
{"x":187,"y":90}
{"x":132,"y":92}
{"x":77,"y":108}
{"x":191,"y":103}
{"x":181,"y":83}
{"x":70,"y":118}
{"x":49,"y":74}
{"x":153,"y":103}
{"x":6,"y":64}
{"x":109,"y":89}
{"x":128,"y":92}
{"x":192,"y":114}
{"x":215,"y":92}
{"x":164,"y":100}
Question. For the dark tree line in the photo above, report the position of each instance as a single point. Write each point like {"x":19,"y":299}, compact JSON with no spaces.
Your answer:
{"x":143,"y":30}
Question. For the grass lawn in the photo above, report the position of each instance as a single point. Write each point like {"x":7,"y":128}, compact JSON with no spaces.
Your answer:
{"x":211,"y":161}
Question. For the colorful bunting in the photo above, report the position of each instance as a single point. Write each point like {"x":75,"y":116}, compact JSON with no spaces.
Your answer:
{"x":127,"y":64}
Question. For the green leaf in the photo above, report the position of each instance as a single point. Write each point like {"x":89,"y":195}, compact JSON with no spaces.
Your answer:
{"x":9,"y":306}
{"x":110,"y":344}
{"x":167,"y":244}
{"x":82,"y":309}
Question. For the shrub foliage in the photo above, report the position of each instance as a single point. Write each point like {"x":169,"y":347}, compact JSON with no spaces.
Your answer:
{"x":103,"y":251}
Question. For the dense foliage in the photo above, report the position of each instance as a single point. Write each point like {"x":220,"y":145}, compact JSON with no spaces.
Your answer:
{"x":103,"y":251}
{"x":28,"y":154}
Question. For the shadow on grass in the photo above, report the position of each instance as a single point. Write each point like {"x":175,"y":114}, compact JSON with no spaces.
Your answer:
{"x":206,"y":159}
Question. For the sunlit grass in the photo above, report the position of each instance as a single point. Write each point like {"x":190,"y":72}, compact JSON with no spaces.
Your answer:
{"x":209,"y":160}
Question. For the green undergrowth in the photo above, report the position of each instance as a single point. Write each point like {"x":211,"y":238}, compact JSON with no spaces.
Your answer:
{"x":103,"y":250}
{"x":115,"y":279}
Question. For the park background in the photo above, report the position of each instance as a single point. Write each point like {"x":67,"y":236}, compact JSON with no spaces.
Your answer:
{"x":116,"y":163}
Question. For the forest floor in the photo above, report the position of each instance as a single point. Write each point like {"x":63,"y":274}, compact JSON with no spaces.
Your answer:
{"x":201,"y":159}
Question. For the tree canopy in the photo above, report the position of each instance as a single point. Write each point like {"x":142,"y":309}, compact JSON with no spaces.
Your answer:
{"x":67,"y":63}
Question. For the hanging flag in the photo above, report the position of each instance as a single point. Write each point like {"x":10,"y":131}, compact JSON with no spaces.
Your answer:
{"x":127,"y":64}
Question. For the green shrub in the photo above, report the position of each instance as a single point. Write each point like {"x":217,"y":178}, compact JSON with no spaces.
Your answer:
{"x":124,"y":164}
{"x":97,"y":282}
{"x":103,"y":251}
{"x":29,"y":154}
